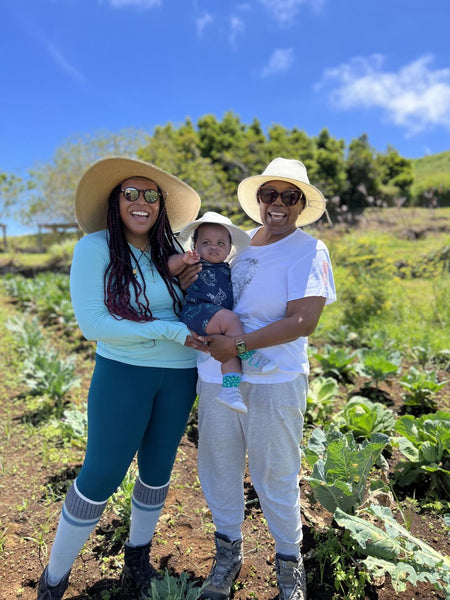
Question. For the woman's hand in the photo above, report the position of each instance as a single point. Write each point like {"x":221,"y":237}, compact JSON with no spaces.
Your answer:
{"x":188,"y":275}
{"x":221,"y":347}
{"x":196,"y":342}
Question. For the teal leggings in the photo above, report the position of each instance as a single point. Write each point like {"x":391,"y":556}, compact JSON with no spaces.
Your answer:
{"x":133,"y":409}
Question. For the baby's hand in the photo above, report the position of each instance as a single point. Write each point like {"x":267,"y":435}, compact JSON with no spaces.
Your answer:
{"x":191,"y":257}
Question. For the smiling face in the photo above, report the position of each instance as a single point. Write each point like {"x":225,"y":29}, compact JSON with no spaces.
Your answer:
{"x":278,"y":219}
{"x":138,"y":216}
{"x":213,"y":242}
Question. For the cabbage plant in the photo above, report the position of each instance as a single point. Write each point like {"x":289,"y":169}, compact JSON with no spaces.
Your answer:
{"x":341,"y":467}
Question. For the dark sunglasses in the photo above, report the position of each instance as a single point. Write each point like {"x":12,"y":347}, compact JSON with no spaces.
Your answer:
{"x":288,"y":197}
{"x":132,"y":194}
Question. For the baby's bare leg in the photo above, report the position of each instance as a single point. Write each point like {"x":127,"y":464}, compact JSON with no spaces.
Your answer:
{"x":255,"y":363}
{"x":228,"y":323}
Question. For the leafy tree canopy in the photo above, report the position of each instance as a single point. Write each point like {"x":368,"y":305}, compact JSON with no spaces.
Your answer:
{"x":52,"y":186}
{"x":11,"y":188}
{"x":213,"y":156}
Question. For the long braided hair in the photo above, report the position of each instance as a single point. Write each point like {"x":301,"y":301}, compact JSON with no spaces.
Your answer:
{"x":119,"y":279}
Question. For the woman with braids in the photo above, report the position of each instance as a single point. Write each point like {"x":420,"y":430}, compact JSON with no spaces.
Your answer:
{"x":143,"y":385}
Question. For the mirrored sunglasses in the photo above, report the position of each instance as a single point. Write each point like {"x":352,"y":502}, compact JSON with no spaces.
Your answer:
{"x":288,"y":197}
{"x":132,"y":194}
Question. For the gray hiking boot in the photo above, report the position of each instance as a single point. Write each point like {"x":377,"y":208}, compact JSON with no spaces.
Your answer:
{"x":137,"y":569}
{"x":51,"y":592}
{"x":291,"y":578}
{"x":226,"y":566}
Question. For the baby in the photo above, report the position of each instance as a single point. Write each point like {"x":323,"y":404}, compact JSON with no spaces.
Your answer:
{"x":208,"y":304}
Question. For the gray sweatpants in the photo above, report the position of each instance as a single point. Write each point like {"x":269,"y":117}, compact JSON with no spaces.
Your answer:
{"x":270,"y":435}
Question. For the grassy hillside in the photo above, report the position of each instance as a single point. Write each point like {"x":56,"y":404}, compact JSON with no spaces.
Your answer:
{"x":435,"y":164}
{"x":432,"y":172}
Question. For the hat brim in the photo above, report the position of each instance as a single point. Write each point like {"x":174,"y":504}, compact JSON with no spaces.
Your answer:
{"x":93,"y":191}
{"x":240,"y":239}
{"x":315,"y":200}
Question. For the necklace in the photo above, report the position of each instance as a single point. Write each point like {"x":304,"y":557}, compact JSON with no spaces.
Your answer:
{"x":137,"y":261}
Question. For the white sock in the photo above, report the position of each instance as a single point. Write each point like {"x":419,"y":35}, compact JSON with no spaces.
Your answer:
{"x":146,"y":505}
{"x":78,"y":518}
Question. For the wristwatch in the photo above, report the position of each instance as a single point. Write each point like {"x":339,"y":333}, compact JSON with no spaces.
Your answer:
{"x":240,"y":345}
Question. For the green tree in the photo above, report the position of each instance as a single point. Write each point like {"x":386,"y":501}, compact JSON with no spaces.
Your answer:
{"x":255,"y":154}
{"x":331,"y":174}
{"x":224,"y":144}
{"x":178,"y":152}
{"x":396,"y":174}
{"x":219,"y":139}
{"x":292,"y":144}
{"x":363,"y":181}
{"x":53,"y":185}
{"x":11,"y":189}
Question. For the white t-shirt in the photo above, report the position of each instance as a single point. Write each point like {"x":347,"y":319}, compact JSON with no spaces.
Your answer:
{"x":265,"y":279}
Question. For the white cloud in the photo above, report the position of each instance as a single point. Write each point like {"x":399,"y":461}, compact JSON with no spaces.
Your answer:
{"x":62,"y":62}
{"x":139,"y":3}
{"x":280,"y":62}
{"x":203,"y":21}
{"x":285,"y":10}
{"x":34,"y":32}
{"x":415,"y":97}
{"x":237,"y":27}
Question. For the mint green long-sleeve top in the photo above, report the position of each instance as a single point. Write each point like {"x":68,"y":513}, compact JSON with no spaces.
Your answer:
{"x":158,"y":343}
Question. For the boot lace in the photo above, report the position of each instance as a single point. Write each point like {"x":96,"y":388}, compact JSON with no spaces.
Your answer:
{"x":222,"y":569}
{"x":299,"y":591}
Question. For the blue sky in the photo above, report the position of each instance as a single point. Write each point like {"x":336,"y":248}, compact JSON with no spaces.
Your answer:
{"x":354,"y":66}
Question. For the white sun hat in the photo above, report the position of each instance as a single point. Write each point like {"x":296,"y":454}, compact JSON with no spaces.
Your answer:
{"x":239,"y":238}
{"x":283,"y":169}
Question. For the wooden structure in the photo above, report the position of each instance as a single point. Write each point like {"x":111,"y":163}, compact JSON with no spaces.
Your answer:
{"x":5,"y":239}
{"x":56,"y":228}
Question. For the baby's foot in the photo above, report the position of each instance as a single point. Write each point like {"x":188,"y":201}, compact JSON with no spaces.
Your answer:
{"x":258,"y":364}
{"x":231,"y":397}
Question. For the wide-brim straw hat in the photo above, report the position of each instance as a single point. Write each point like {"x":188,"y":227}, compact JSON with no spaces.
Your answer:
{"x":239,"y":239}
{"x":91,"y":198}
{"x":283,"y":169}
